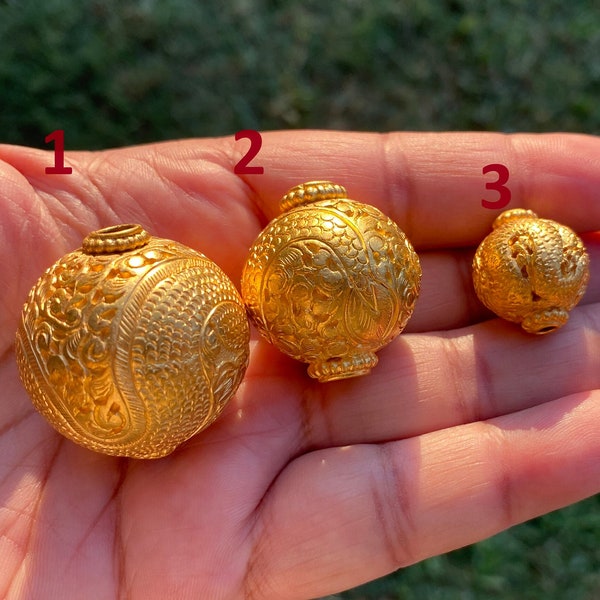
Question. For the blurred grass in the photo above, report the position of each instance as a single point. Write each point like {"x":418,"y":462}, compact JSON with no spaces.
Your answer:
{"x":555,"y":557}
{"x":120,"y":72}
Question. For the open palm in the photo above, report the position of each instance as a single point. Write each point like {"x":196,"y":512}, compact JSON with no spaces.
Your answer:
{"x":467,"y":425}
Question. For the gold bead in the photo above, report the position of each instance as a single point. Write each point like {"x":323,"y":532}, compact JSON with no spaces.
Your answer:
{"x":330,"y":281}
{"x":132,"y":344}
{"x":531,"y":271}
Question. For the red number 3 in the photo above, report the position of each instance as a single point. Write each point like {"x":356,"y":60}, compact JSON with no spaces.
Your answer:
{"x":498,"y":186}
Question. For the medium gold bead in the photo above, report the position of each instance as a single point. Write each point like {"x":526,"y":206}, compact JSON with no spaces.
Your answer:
{"x":330,"y":281}
{"x":531,"y":271}
{"x":132,"y":344}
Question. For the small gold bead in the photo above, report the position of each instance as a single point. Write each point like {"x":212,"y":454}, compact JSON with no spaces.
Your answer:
{"x":330,"y":281}
{"x":132,"y":344}
{"x":531,"y":271}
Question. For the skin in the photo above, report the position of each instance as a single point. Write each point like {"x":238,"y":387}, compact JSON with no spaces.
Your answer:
{"x":466,"y":427}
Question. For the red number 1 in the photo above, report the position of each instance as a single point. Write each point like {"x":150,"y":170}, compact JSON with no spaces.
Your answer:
{"x":58,"y":137}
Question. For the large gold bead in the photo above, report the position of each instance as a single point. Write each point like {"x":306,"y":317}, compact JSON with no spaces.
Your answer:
{"x":132,"y":344}
{"x":531,"y":271}
{"x":331,"y":281}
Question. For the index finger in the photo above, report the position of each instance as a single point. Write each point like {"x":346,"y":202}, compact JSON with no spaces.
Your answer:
{"x":432,"y":184}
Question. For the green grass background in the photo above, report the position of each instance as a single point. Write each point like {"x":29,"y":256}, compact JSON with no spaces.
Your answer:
{"x":118,"y":72}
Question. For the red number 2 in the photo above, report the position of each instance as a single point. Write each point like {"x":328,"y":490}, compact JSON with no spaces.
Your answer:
{"x":58,"y":137}
{"x":497,"y":186}
{"x":242,"y":168}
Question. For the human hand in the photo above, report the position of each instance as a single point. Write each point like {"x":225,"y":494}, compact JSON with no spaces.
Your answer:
{"x":466,"y":427}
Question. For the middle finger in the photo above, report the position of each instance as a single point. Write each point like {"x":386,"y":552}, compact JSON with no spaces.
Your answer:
{"x":428,"y":382}
{"x":448,"y":300}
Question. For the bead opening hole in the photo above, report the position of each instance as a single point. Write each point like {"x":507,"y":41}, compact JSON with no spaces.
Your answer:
{"x":121,"y":230}
{"x":116,"y":238}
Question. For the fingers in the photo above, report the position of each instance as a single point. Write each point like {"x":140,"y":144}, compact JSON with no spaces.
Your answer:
{"x":428,"y":382}
{"x":432,"y":183}
{"x":447,"y":299}
{"x":177,"y":190}
{"x":339,"y":517}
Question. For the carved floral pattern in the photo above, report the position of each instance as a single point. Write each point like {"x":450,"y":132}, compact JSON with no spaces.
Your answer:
{"x":331,"y":279}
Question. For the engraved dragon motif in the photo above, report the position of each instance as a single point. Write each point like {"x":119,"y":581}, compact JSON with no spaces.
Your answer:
{"x":132,"y":351}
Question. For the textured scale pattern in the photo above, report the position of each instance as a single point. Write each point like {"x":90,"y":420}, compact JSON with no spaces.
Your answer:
{"x":132,"y":351}
{"x":531,"y":271}
{"x":331,"y":281}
